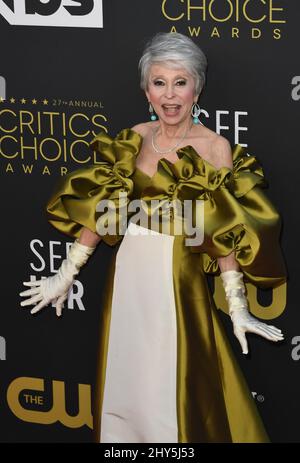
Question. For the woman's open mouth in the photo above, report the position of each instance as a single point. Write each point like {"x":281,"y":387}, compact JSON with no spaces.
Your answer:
{"x":171,"y":109}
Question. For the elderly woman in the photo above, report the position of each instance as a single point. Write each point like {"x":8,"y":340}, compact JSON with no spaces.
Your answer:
{"x":166,"y":370}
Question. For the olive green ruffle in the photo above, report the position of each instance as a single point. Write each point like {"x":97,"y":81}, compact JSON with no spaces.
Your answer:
{"x":75,"y":202}
{"x":238,"y":216}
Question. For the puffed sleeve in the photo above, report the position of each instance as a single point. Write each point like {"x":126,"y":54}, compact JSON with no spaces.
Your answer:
{"x":239,"y":217}
{"x":75,"y":201}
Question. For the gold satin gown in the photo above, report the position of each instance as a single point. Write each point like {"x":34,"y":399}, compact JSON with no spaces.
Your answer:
{"x":166,"y":371}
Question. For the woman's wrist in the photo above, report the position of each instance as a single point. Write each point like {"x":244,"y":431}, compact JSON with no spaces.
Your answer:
{"x":80,"y":253}
{"x":88,"y":238}
{"x":235,"y":290}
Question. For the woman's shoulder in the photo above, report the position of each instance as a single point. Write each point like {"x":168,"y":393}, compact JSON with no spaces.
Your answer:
{"x":222,"y":152}
{"x":217,"y":148}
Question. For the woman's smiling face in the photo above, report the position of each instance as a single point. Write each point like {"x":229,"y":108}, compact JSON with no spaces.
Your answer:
{"x":171,"y":93}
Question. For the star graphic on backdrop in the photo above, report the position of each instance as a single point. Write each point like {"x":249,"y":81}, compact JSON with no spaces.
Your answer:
{"x":12,"y":100}
{"x":45,"y":102}
{"x":34,"y":101}
{"x":2,"y":99}
{"x":23,"y":101}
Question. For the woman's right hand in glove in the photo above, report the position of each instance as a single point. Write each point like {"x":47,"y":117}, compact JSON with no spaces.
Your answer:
{"x":55,"y":289}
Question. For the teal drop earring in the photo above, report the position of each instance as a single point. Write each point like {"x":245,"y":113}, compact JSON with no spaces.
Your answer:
{"x":195,"y":112}
{"x":151,"y":111}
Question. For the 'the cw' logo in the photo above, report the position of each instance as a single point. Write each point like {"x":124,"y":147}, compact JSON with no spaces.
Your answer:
{"x":24,"y":389}
{"x":66,"y":13}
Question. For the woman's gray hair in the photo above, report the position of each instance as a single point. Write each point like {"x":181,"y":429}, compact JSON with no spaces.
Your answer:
{"x":175,"y":50}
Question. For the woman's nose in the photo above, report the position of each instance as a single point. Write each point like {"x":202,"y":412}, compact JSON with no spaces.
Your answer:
{"x":169,"y":91}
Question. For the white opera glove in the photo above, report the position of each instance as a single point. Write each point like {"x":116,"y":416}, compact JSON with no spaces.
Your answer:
{"x":55,"y":289}
{"x":242,"y":320}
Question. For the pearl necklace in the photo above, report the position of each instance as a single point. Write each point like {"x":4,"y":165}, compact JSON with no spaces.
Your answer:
{"x":169,"y":150}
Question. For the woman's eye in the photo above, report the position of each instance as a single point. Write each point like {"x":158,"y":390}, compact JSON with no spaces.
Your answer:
{"x":181,"y":82}
{"x":158,"y":82}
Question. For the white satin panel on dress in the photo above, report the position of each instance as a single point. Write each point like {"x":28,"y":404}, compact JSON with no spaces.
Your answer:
{"x":139,"y":402}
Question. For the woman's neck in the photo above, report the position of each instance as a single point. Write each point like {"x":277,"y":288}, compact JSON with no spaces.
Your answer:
{"x":171,"y":132}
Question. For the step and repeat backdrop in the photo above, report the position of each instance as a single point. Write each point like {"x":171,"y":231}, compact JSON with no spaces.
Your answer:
{"x":69,"y":70}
